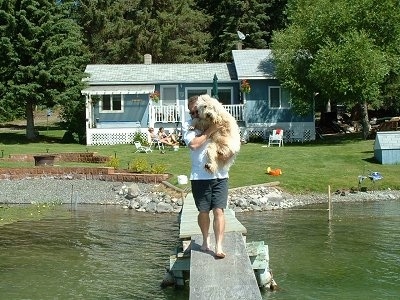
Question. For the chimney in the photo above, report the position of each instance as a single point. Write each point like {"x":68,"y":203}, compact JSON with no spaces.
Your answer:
{"x":147,"y":59}
{"x":239,"y":45}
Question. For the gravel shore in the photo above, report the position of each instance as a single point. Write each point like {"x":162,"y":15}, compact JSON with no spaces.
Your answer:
{"x":152,"y":198}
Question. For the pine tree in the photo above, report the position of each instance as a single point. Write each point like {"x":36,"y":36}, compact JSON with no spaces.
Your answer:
{"x":42,"y":56}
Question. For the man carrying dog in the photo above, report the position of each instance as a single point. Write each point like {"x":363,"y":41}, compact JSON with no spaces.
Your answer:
{"x":210,"y":191}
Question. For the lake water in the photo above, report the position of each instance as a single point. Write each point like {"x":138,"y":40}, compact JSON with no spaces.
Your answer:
{"x":100,"y":252}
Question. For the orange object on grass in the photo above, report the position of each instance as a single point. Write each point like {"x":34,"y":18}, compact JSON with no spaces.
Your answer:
{"x":274,"y":172}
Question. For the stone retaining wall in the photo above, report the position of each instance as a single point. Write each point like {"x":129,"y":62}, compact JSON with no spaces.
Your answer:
{"x":101,"y":173}
{"x":83,"y":157}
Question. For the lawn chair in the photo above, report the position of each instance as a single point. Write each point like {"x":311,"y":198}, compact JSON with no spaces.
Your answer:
{"x":141,"y":148}
{"x":156,"y":143}
{"x":276,"y":138}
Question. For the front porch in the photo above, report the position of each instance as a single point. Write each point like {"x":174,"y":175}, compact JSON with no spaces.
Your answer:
{"x":171,"y":117}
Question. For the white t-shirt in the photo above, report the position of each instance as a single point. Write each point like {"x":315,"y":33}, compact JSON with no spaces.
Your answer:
{"x":199,"y":158}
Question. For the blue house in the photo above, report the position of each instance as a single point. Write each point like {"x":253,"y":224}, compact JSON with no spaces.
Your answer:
{"x":120,"y":102}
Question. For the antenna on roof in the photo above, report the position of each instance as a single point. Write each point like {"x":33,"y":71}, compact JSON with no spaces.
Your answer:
{"x":241,"y":35}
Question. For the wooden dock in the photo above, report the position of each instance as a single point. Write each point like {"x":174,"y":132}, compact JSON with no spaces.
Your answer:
{"x":238,"y":276}
{"x":189,"y":226}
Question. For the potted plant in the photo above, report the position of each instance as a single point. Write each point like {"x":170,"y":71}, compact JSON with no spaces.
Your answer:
{"x":155,"y":96}
{"x":245,"y":86}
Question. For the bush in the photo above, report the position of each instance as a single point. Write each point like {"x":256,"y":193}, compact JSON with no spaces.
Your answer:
{"x":113,"y":162}
{"x":255,"y":138}
{"x":138,"y":137}
{"x":139,"y":165}
{"x":158,"y":169}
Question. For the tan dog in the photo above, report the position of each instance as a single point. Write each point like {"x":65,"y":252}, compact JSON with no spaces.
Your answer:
{"x":225,"y":142}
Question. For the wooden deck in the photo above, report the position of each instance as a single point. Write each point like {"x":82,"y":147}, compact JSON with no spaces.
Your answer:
{"x":211,"y":278}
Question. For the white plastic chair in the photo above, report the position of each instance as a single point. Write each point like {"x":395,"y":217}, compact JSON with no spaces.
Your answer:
{"x":141,"y":148}
{"x":156,"y":143}
{"x":276,"y":138}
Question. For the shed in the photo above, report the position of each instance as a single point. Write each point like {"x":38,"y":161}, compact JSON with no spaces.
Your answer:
{"x":387,"y":147}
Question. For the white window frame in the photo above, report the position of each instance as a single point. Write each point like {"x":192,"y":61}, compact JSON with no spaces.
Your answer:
{"x":111,"y":111}
{"x":162,"y":87}
{"x":280,"y":98}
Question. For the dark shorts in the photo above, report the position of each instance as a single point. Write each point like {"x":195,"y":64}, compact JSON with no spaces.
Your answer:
{"x":210,"y":194}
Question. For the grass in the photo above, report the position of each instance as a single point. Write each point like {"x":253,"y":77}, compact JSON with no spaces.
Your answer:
{"x":310,"y":167}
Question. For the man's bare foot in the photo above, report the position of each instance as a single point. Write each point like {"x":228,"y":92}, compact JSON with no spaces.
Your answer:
{"x":206,"y":245}
{"x":219,"y":253}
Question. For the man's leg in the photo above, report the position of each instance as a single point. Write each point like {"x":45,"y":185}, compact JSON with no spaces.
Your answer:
{"x":219,"y":228}
{"x":203,"y":219}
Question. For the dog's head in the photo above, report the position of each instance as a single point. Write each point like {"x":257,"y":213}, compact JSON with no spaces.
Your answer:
{"x":209,"y":109}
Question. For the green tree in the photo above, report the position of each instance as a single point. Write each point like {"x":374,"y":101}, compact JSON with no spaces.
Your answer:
{"x":122,"y":31}
{"x":344,"y":50}
{"x":42,"y":56}
{"x":230,"y":16}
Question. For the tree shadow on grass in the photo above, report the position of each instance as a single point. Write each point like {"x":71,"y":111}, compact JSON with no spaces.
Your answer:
{"x":17,"y":135}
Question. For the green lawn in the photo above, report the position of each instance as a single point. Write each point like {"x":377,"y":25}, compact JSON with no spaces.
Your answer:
{"x":310,"y":167}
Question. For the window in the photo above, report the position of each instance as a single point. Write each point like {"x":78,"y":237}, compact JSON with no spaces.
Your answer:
{"x":225,"y":96}
{"x":278,"y":98}
{"x":169,"y":94}
{"x":111,"y":103}
{"x":196,"y":92}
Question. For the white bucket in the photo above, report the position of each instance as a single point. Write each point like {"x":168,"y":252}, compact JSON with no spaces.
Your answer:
{"x":176,"y":147}
{"x":182,"y":179}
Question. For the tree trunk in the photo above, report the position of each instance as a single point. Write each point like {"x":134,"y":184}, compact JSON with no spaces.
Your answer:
{"x":30,"y":122}
{"x":364,"y":119}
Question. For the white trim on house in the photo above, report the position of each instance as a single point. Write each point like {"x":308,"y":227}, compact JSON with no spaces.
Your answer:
{"x":119,"y":89}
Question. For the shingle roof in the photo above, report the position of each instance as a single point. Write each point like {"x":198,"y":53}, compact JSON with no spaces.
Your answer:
{"x":159,"y":73}
{"x":254,"y":63}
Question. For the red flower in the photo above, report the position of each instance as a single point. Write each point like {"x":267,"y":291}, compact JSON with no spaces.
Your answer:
{"x":245,"y":86}
{"x":155,"y":96}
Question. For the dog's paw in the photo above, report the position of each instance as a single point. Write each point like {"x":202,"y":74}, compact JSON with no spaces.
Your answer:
{"x":210,"y":168}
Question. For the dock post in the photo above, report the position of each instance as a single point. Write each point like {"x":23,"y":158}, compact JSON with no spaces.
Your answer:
{"x":329,"y":204}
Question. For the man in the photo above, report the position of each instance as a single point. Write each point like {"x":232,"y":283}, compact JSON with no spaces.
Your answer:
{"x":210,"y":191}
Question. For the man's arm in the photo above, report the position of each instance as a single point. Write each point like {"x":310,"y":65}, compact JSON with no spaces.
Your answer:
{"x":201,"y":138}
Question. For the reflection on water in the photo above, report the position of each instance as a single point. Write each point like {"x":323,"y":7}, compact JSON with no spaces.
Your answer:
{"x":100,"y":252}
{"x":97,"y":253}
{"x":355,"y":256}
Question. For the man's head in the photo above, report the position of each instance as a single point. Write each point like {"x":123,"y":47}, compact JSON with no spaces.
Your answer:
{"x":192,"y":106}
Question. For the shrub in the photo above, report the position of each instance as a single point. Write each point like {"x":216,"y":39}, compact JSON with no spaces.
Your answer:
{"x":255,"y":138}
{"x":139,"y":165}
{"x":158,"y":169}
{"x":113,"y":162}
{"x":138,"y":137}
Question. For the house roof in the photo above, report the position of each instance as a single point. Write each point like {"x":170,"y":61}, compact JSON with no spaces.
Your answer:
{"x":254,"y":64}
{"x":159,"y":73}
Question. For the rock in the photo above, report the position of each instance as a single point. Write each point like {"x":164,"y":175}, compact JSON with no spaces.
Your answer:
{"x":164,"y":207}
{"x":133,"y":191}
{"x":151,"y":207}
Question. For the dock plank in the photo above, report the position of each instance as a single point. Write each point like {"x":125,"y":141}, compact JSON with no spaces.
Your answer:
{"x":228,"y":278}
{"x":188,"y":222}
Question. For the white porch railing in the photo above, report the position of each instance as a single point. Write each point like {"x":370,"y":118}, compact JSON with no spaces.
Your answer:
{"x":167,"y":114}
{"x":176,"y":113}
{"x":236,"y":110}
